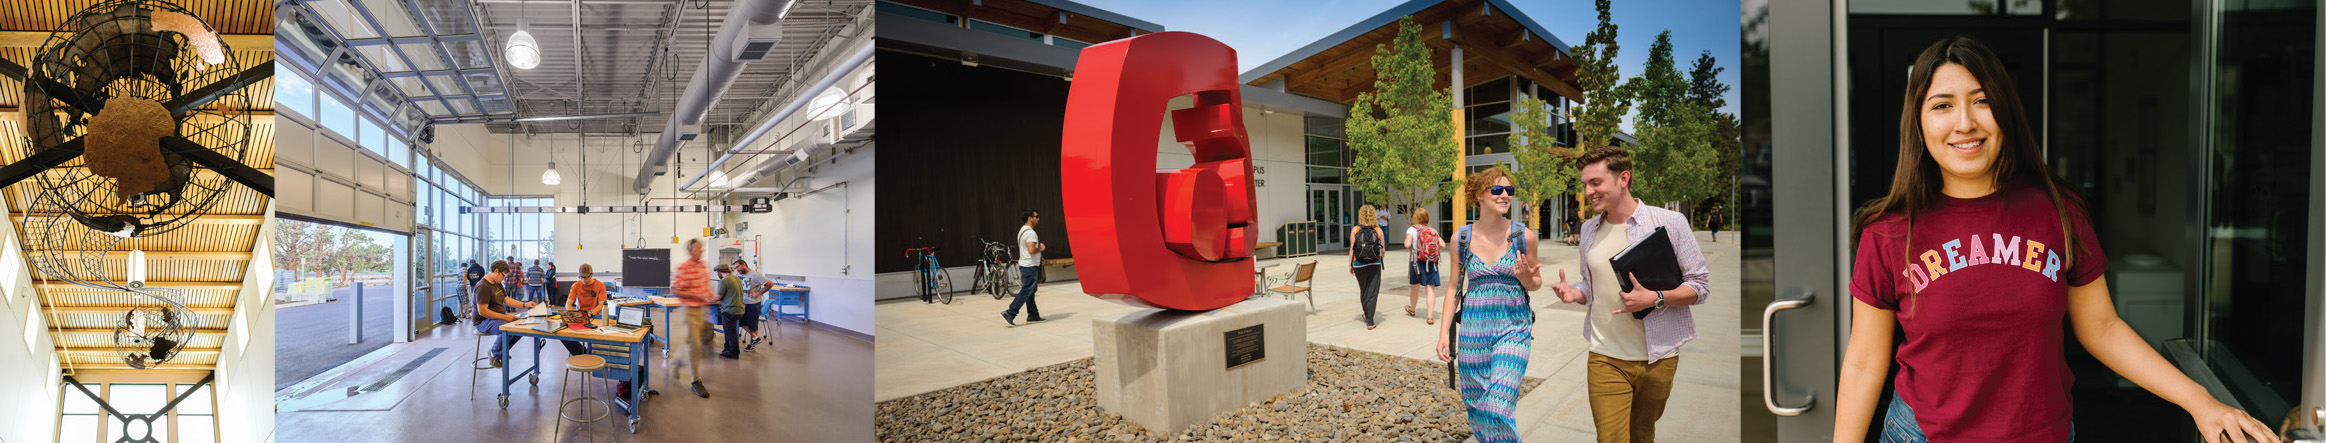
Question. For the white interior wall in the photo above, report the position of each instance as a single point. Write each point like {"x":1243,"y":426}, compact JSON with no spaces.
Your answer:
{"x":28,"y":359}
{"x":246,"y":363}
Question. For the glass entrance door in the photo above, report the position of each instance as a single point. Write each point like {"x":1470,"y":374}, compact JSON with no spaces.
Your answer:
{"x":1328,"y":206}
{"x":2258,"y":192}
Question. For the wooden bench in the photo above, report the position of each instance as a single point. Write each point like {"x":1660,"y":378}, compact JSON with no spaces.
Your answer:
{"x":1060,"y":269}
{"x":1266,"y":250}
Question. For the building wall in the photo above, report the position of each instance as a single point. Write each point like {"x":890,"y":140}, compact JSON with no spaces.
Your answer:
{"x":244,"y":385}
{"x":28,"y":404}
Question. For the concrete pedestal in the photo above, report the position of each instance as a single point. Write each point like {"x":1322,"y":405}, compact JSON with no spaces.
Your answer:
{"x":1168,"y":370}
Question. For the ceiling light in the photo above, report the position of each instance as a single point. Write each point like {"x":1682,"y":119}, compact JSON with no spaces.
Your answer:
{"x":550,"y":176}
{"x":830,"y":103}
{"x":523,"y":52}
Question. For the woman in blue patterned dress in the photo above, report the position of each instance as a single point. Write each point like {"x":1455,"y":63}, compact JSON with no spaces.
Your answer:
{"x":1495,"y":331}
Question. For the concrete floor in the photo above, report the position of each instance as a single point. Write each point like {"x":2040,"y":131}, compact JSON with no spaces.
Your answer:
{"x":926,"y":347}
{"x":803,"y":384}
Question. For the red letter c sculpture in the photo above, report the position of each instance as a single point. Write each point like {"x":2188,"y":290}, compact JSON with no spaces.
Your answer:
{"x":1170,"y":238}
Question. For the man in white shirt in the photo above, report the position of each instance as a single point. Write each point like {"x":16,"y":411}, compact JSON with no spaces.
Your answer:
{"x":1030,"y":249}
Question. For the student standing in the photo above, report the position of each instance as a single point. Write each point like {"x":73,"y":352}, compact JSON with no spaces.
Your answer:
{"x":1977,"y":241}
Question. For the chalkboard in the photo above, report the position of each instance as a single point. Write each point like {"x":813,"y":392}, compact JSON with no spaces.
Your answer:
{"x":646,"y":268}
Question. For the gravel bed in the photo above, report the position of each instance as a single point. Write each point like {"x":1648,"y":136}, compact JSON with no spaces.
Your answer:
{"x":1350,"y":396}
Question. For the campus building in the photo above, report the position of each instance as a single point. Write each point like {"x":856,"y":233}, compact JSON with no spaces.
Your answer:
{"x":988,"y":82}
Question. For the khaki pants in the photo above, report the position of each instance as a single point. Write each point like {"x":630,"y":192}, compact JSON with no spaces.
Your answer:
{"x":1628,"y":396}
{"x":692,"y":332}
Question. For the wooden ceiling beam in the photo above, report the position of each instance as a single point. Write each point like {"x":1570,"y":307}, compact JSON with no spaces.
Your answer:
{"x":64,"y":286}
{"x":117,"y":350}
{"x":212,"y":219}
{"x":1495,"y":55}
{"x":110,"y":330}
{"x":197,"y":310}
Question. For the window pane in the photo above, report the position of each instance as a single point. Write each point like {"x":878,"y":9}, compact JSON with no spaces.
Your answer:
{"x":1325,"y":152}
{"x":1489,"y":119}
{"x":197,"y":429}
{"x":199,"y":403}
{"x":138,"y":399}
{"x":399,"y":153}
{"x":338,"y":118}
{"x":373,"y":138}
{"x":294,"y":93}
{"x":78,"y":429}
{"x":76,"y":403}
{"x":1326,"y":126}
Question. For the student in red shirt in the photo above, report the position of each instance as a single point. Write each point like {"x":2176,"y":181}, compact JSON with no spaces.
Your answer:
{"x":1975,"y":259}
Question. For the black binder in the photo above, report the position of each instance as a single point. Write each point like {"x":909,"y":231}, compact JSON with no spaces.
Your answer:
{"x":1652,"y":261}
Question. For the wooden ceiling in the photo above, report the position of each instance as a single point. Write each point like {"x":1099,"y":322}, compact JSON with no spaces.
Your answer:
{"x":207,"y":259}
{"x":1035,"y":17}
{"x":1494,"y":45}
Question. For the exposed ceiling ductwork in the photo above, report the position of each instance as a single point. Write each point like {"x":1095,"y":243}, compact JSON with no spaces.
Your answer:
{"x":746,"y":36}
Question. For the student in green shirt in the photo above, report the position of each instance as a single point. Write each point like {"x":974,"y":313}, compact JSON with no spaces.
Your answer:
{"x":730,"y":309}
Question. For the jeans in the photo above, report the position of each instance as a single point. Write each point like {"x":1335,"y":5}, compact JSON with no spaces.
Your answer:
{"x":500,"y":346}
{"x":1369,"y":288}
{"x":732,"y":321}
{"x":1899,"y":425}
{"x":533,"y":294}
{"x":1025,"y":298}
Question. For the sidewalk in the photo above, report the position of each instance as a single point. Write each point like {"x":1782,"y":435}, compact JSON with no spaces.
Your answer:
{"x":927,"y":347}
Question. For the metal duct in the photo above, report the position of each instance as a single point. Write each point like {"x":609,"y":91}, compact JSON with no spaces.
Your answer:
{"x":751,"y":24}
{"x":839,"y":71}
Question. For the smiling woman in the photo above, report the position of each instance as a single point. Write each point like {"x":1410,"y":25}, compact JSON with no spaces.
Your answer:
{"x":1956,"y":182}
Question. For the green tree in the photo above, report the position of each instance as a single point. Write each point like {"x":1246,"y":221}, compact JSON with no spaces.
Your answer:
{"x":1544,"y":169}
{"x":1673,"y":159}
{"x":1605,"y":101}
{"x":1706,"y":90}
{"x":1399,"y":131}
{"x":1704,"y":85}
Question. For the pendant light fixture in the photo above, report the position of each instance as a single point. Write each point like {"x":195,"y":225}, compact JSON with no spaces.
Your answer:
{"x":522,"y":52}
{"x":137,"y":267}
{"x":550,"y":177}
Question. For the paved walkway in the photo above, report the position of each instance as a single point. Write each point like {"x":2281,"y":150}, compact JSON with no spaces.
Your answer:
{"x":311,"y":339}
{"x":926,"y":347}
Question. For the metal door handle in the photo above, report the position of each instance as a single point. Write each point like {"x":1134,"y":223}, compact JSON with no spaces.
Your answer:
{"x":1768,"y":356}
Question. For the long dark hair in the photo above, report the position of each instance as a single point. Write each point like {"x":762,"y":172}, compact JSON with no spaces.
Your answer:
{"x":1916,"y":184}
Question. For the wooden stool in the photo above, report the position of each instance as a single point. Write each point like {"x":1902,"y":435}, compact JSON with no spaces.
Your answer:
{"x":579,"y":368}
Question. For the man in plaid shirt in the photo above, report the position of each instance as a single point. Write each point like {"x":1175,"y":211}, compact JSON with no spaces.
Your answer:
{"x":692,"y":285}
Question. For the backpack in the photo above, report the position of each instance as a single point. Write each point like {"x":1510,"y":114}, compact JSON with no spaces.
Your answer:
{"x":1430,"y":245}
{"x":1368,"y":247}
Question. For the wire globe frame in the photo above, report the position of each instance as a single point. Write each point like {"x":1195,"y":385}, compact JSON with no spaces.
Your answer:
{"x":112,"y":50}
{"x":76,"y":217}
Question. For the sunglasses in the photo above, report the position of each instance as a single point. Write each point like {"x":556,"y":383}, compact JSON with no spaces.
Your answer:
{"x":1502,"y":190}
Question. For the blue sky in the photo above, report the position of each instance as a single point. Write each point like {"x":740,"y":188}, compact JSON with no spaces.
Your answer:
{"x":1264,"y":30}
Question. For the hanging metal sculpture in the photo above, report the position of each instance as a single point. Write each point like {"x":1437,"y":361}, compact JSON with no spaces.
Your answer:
{"x":136,"y":124}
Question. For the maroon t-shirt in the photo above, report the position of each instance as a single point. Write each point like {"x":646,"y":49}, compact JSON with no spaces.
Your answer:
{"x":1981,"y":296}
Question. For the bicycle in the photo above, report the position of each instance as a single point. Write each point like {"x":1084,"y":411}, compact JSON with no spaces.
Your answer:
{"x":995,"y":273}
{"x":935,"y":285}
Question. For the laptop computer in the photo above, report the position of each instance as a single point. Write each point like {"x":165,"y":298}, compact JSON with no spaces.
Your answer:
{"x":628,"y":319}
